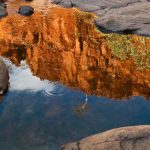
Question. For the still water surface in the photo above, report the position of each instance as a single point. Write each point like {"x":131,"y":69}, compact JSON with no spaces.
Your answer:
{"x":41,"y":115}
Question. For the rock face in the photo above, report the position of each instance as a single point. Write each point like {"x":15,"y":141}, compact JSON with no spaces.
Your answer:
{"x":124,"y":16}
{"x":4,"y":78}
{"x":126,"y":138}
{"x":3,"y":12}
{"x":26,"y":10}
{"x":65,"y":46}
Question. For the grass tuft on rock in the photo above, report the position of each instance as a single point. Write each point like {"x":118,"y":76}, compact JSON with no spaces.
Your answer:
{"x":126,"y":46}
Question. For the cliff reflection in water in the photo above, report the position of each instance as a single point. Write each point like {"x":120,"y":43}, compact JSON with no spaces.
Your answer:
{"x":65,"y":46}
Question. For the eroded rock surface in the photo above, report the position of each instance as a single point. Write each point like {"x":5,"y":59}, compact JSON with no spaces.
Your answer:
{"x":124,"y":16}
{"x":127,"y":138}
{"x":65,"y":46}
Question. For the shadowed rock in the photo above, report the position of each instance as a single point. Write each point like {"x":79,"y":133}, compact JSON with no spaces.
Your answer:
{"x":3,"y":12}
{"x":26,"y":10}
{"x":124,"y":16}
{"x":4,"y":78}
{"x":131,"y":138}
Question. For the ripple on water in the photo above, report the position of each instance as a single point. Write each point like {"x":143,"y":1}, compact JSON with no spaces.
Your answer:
{"x":58,"y":90}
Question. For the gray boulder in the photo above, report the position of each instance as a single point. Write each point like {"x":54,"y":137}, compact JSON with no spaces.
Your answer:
{"x":134,"y":18}
{"x":4,"y":78}
{"x":126,"y":138}
{"x":26,"y":10}
{"x":123,"y":16}
{"x":3,"y":11}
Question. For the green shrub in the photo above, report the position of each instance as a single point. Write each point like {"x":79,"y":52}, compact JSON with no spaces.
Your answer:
{"x":122,"y":47}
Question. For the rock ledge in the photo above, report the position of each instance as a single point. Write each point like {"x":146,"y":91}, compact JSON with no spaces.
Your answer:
{"x":126,"y":138}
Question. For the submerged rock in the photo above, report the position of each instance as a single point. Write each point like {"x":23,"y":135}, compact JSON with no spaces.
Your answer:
{"x":131,"y":138}
{"x":3,"y":12}
{"x":26,"y":10}
{"x":4,"y":78}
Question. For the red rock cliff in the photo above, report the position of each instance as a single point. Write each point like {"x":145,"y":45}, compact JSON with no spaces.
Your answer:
{"x":65,"y":46}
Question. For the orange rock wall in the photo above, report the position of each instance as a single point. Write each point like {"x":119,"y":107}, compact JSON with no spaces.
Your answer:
{"x":65,"y":46}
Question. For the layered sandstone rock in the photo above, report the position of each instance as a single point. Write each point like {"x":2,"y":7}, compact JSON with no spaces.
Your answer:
{"x":127,"y":138}
{"x":65,"y":46}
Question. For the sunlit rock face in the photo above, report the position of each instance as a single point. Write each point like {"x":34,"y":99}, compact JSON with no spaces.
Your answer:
{"x":65,"y":46}
{"x":133,"y":138}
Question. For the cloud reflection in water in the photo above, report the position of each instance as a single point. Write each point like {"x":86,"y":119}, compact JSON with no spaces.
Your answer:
{"x":21,"y":78}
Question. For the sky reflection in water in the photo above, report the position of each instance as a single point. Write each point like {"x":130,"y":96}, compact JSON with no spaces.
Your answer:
{"x":22,"y":79}
{"x":33,"y":120}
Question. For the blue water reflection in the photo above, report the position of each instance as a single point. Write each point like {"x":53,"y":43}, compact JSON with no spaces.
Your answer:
{"x":33,"y":120}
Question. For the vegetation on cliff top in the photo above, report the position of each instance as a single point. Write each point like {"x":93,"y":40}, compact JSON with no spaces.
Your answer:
{"x":126,"y":46}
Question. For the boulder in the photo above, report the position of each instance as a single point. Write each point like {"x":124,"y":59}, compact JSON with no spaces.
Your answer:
{"x":124,"y":16}
{"x":126,"y":138}
{"x":134,"y":18}
{"x":3,"y":11}
{"x":4,"y":78}
{"x":26,"y":10}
